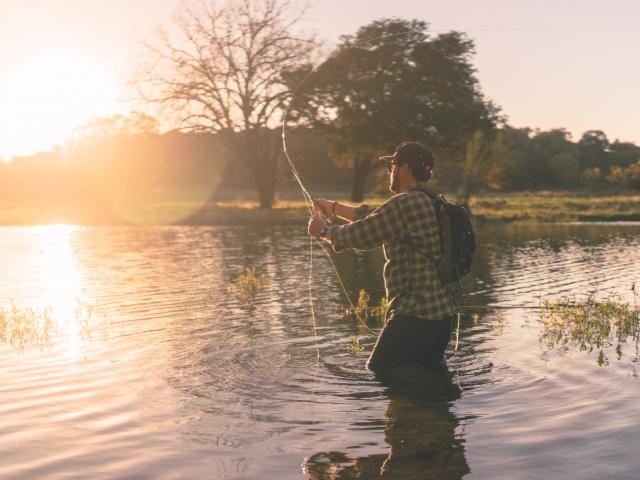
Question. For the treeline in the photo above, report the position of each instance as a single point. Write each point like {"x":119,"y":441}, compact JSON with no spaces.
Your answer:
{"x":525,"y":159}
{"x":122,"y":159}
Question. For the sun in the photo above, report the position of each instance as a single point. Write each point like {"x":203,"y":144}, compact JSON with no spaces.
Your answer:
{"x":51,"y":95}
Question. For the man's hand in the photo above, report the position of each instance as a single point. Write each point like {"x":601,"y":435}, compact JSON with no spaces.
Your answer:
{"x":316,"y":223}
{"x":322,"y":205}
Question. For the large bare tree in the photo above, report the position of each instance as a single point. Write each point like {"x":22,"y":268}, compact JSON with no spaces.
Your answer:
{"x":219,"y":70}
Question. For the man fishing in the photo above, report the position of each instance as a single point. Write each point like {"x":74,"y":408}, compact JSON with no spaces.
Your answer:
{"x":420,"y":313}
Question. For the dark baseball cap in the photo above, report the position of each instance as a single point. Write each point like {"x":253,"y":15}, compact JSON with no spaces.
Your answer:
{"x":413,"y":153}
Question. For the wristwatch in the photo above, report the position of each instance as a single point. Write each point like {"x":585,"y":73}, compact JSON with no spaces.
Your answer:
{"x":323,"y":232}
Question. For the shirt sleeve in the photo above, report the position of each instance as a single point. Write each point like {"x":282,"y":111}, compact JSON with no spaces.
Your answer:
{"x":362,"y":211}
{"x":379,"y":227}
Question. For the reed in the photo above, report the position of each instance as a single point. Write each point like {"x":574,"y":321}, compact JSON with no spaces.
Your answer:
{"x":248,"y":285}
{"x":355,"y":347}
{"x":369,"y":314}
{"x":25,"y":327}
{"x":592,"y":324}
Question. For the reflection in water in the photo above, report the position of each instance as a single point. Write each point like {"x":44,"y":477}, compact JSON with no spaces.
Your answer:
{"x":61,"y":283}
{"x":60,"y":312}
{"x":419,"y":429}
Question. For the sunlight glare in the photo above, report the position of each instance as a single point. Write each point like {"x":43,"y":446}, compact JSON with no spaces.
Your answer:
{"x":62,"y":285}
{"x":52,"y":96}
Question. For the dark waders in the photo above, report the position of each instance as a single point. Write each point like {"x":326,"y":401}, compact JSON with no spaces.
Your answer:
{"x":407,"y":340}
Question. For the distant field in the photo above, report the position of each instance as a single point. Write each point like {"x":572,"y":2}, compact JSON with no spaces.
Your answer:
{"x":529,"y":207}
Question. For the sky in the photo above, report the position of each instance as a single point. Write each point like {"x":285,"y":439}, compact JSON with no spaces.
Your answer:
{"x":568,"y":63}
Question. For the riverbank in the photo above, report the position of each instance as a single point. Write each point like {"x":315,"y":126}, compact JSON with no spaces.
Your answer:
{"x":516,"y":207}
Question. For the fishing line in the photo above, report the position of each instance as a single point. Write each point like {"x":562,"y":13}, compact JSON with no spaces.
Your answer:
{"x":313,"y":311}
{"x":309,"y":199}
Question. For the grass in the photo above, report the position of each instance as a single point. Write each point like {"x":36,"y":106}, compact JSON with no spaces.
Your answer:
{"x":507,"y":207}
{"x":555,"y":207}
{"x":592,"y":324}
{"x":248,"y":284}
{"x":355,"y":347}
{"x":25,"y":327}
{"x":368,"y":314}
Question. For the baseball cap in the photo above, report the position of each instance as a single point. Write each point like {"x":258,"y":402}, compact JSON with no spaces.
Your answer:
{"x":413,"y":153}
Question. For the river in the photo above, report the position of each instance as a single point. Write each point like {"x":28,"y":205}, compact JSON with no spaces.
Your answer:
{"x":156,"y":366}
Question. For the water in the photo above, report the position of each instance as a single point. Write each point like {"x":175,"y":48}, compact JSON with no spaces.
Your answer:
{"x":175,"y":376}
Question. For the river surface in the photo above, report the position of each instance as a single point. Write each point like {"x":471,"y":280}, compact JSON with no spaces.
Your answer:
{"x":156,"y":366}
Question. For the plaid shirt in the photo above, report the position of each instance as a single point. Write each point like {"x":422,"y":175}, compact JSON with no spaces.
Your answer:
{"x":407,"y":228}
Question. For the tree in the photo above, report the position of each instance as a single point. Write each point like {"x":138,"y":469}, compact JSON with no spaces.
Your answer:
{"x":591,"y":178}
{"x":135,"y":123}
{"x":390,"y":82}
{"x":550,"y":155}
{"x":624,"y":153}
{"x":626,"y":177}
{"x":564,"y":170}
{"x":593,"y":150}
{"x":222,"y":72}
{"x":481,"y":166}
{"x":515,"y":158}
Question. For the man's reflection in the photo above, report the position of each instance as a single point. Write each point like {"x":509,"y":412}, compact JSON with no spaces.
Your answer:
{"x":420,"y":429}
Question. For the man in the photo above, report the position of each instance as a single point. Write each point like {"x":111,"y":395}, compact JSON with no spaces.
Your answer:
{"x":420,"y":314}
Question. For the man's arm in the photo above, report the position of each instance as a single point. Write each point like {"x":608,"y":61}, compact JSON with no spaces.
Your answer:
{"x":381,"y":226}
{"x":342,"y":210}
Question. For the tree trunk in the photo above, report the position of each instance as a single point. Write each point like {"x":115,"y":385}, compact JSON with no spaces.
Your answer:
{"x":266,"y":193}
{"x":262,"y":159}
{"x":360,"y":176}
{"x":264,"y":180}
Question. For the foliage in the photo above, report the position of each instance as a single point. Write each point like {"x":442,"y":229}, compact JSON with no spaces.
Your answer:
{"x":367,"y":313}
{"x":248,"y":284}
{"x":628,"y":177}
{"x":25,"y":327}
{"x":564,"y":170}
{"x":355,"y":347}
{"x":594,"y":150}
{"x":591,"y":177}
{"x":132,"y":124}
{"x":591,"y":325}
{"x":481,"y":166}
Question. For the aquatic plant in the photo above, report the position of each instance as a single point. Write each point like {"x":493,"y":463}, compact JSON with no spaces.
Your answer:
{"x":92,"y":319}
{"x":25,"y":327}
{"x":591,"y":325}
{"x":248,"y":284}
{"x":365,"y":312}
{"x":355,"y":347}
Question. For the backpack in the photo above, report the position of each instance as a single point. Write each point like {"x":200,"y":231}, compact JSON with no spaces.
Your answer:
{"x":456,"y":237}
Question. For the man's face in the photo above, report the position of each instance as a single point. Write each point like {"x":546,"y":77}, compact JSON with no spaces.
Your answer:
{"x":394,"y":177}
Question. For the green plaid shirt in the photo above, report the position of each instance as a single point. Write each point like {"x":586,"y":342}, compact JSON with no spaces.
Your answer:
{"x":407,"y":228}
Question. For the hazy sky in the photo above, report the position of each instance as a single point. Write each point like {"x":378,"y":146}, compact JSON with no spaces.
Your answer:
{"x":567,"y":63}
